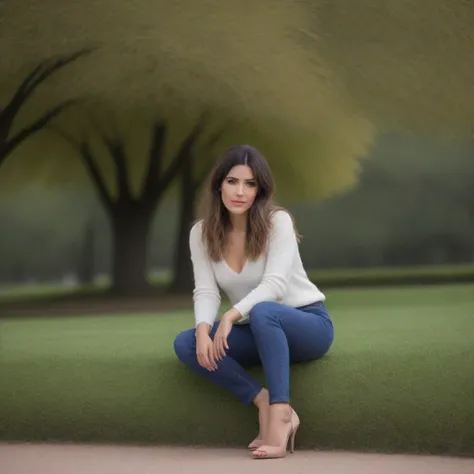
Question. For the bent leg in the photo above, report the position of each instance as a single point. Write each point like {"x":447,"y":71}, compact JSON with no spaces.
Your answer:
{"x":284,"y":334}
{"x":230,"y":374}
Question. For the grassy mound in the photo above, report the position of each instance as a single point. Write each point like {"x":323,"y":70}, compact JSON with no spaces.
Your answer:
{"x":399,"y":378}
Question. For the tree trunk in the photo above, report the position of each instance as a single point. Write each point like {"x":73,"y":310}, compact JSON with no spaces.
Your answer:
{"x":182,"y":267}
{"x":86,"y":257}
{"x":130,"y":233}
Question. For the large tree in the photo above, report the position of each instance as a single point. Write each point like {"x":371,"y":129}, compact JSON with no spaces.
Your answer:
{"x":130,"y":211}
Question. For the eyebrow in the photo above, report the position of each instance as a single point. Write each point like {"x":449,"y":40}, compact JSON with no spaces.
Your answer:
{"x":234,"y":177}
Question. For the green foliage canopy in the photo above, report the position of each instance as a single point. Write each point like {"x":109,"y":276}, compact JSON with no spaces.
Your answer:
{"x":248,"y":63}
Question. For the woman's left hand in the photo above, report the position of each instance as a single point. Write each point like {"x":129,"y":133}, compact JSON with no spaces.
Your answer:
{"x":223,"y":331}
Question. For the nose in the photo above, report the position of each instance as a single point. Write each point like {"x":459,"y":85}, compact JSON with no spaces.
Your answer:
{"x":240,"y":190}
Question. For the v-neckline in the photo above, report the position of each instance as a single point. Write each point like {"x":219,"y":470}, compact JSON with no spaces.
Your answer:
{"x":232,"y":270}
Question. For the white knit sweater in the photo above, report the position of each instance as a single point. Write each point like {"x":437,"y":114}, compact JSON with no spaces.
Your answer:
{"x":278,"y":275}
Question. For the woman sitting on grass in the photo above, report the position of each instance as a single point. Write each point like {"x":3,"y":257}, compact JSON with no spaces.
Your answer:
{"x":249,"y":247}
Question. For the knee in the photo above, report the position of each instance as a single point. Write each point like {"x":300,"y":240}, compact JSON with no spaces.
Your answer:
{"x":184,"y":345}
{"x":263,"y":312}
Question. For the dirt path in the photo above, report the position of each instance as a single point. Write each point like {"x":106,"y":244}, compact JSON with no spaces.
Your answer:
{"x":75,"y":459}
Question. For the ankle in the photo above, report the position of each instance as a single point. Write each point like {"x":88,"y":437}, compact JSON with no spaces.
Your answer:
{"x":281,"y":411}
{"x":262,"y":399}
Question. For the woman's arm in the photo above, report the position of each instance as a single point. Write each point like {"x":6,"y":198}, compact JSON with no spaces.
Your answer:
{"x":282,"y":249}
{"x":206,"y":294}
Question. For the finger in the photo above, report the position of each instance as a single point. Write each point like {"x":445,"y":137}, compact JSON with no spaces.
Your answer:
{"x":205,"y":361}
{"x":216,"y":353}
{"x":223,"y":345}
{"x":215,"y":345}
{"x":201,"y":361}
{"x":212,"y":360}
{"x":217,"y":348}
{"x":220,"y":348}
{"x":213,"y":349}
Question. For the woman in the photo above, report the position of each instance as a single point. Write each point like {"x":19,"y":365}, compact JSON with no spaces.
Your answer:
{"x":248,"y":246}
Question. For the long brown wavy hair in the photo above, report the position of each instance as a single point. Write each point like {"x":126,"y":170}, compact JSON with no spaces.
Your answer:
{"x":215,"y":216}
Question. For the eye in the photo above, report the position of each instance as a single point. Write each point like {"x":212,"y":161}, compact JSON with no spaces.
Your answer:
{"x":252,"y":184}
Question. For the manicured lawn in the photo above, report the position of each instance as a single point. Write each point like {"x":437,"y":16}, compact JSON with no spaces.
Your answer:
{"x":399,"y":378}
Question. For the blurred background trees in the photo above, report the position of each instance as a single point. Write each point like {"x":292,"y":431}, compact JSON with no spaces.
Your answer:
{"x":363,"y":111}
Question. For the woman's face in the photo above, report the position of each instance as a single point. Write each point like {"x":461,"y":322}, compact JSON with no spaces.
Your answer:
{"x":239,"y":189}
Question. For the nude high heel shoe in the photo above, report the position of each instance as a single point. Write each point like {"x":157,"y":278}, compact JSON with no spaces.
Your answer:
{"x":273,"y":452}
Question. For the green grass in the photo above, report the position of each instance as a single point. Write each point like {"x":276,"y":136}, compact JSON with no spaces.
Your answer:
{"x":399,"y":378}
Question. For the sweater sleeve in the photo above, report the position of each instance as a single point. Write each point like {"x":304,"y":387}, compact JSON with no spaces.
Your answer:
{"x":281,"y":252}
{"x":206,"y":295}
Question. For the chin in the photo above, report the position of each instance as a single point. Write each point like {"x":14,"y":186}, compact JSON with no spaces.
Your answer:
{"x":237,"y":210}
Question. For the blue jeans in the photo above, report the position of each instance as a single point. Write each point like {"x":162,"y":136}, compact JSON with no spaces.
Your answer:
{"x":275,"y":336}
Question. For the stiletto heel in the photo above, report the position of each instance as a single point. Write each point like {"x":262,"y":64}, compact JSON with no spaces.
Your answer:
{"x":292,"y":439}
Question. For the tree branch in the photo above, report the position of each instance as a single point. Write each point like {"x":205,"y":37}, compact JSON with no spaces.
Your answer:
{"x":90,"y":163}
{"x":32,"y":81}
{"x":153,"y":193}
{"x":155,"y":158}
{"x":51,"y":66}
{"x":116,"y":147}
{"x":31,"y":129}
{"x":183,"y":153}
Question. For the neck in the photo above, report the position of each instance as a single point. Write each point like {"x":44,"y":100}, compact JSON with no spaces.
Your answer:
{"x":238,"y":222}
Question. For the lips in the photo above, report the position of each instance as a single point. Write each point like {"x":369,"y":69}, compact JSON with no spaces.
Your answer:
{"x":237,"y":203}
